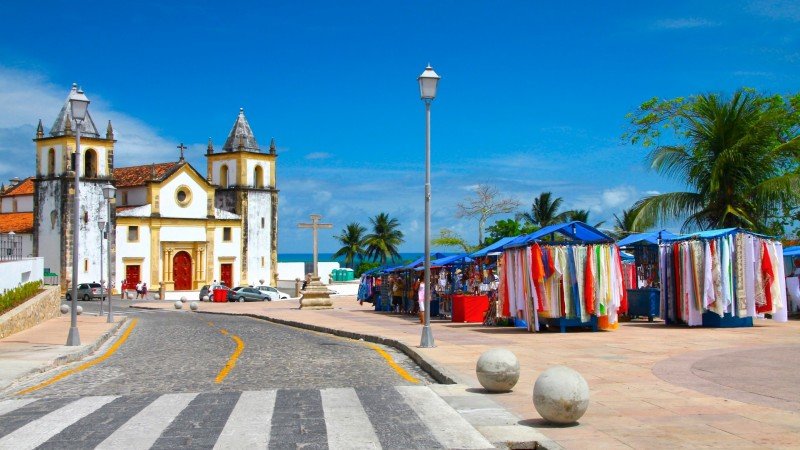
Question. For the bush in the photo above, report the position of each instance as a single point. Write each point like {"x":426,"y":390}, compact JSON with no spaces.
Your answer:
{"x":365,"y":266}
{"x":11,"y":298}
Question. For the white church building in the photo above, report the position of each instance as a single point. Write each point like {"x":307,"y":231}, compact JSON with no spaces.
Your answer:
{"x":170,"y":224}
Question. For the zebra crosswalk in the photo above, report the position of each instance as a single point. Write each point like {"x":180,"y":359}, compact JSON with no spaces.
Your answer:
{"x":402,"y":417}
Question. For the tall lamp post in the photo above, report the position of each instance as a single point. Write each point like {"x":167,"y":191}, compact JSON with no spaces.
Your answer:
{"x":102,"y":225}
{"x":108,"y":193}
{"x":428,"y":83}
{"x":79,"y":106}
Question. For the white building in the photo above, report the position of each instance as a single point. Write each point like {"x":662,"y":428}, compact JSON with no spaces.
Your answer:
{"x":170,"y":225}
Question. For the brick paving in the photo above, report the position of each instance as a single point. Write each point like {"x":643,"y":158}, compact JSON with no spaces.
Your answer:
{"x":651,"y":386}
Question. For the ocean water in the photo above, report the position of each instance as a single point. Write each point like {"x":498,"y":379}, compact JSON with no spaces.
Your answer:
{"x":328,"y":257}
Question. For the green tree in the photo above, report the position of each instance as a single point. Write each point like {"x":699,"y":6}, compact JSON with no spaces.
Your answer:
{"x":737,"y":156}
{"x":581,"y":215}
{"x":487,"y":203}
{"x":352,"y":241}
{"x":449,"y":238}
{"x":544,"y":211}
{"x":384,"y":240}
{"x":507,"y":228}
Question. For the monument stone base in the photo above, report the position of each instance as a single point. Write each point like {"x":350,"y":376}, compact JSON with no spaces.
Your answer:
{"x":316,"y":296}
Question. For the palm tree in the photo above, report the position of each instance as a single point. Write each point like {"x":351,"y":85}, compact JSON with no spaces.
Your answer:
{"x":382,"y":243}
{"x":623,"y":226}
{"x":544,"y":211}
{"x":737,"y":162}
{"x":351,"y":238}
{"x":581,"y":215}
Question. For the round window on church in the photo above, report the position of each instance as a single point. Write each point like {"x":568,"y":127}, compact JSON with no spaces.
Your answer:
{"x":183,"y":196}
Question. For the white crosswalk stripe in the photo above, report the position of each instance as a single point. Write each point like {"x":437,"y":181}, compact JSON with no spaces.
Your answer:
{"x":35,"y":433}
{"x":341,"y":417}
{"x":248,"y":426}
{"x":347,"y":422}
{"x":7,"y":406}
{"x":143,"y":429}
{"x":450,"y":429}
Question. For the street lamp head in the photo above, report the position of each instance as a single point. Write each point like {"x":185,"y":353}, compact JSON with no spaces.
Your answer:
{"x":428,"y":81}
{"x":102,"y":224}
{"x":79,"y":104}
{"x":108,"y":191}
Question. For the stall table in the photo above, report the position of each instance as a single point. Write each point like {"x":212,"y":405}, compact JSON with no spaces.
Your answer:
{"x":470,"y":308}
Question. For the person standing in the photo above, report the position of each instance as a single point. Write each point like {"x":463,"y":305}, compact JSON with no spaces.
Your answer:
{"x":144,"y":290}
{"x":138,"y":289}
{"x":421,"y":300}
{"x":397,"y":293}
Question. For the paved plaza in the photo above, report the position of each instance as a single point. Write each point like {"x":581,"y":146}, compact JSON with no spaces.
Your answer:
{"x":652,"y":386}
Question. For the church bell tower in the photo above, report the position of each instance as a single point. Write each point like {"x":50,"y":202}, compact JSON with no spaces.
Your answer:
{"x":245,"y":182}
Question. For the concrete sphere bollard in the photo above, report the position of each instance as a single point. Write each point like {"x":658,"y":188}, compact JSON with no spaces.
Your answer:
{"x":79,"y":310}
{"x":205,"y":298}
{"x":178,"y":304}
{"x":64,"y":309}
{"x":193,"y":306}
{"x":561,"y":395}
{"x":183,"y":299}
{"x":498,"y":370}
{"x":129,"y":294}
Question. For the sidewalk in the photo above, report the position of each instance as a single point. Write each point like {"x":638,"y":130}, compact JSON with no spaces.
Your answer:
{"x":727,"y":387}
{"x":42,"y":347}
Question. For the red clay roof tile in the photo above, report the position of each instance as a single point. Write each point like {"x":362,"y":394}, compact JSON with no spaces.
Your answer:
{"x":16,"y":222}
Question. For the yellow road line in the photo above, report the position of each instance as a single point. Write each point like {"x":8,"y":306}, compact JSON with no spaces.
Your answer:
{"x":402,"y":372}
{"x":232,"y":360}
{"x":211,"y":324}
{"x":85,"y":365}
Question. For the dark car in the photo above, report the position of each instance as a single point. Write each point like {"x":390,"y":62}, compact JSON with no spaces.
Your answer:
{"x":247,"y":294}
{"x":88,"y":291}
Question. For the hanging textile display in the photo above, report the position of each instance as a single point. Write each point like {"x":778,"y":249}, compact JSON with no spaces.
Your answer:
{"x":564,"y":283}
{"x":722,"y":278}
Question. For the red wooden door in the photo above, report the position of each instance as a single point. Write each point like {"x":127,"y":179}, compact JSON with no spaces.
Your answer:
{"x":132,"y":276}
{"x":182,"y":271}
{"x":226,"y":274}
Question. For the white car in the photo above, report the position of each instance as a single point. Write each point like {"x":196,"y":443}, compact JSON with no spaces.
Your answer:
{"x":273,"y":293}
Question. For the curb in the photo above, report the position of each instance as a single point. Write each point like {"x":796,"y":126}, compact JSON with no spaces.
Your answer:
{"x":70,"y":357}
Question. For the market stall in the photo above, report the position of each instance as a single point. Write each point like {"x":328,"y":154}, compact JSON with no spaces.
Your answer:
{"x":722,"y":278}
{"x":564,"y":275}
{"x":791,"y":262}
{"x":644,"y":297}
{"x":447,"y":276}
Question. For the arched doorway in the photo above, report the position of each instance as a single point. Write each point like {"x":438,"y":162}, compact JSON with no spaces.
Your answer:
{"x":51,"y":162}
{"x":223,"y":176}
{"x":182,"y":271}
{"x":258,"y":177}
{"x":90,"y":164}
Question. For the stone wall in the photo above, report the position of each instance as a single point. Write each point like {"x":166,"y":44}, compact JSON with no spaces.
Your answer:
{"x":43,"y":306}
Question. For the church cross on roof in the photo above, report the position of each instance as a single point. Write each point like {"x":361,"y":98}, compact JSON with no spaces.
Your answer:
{"x":241,"y":137}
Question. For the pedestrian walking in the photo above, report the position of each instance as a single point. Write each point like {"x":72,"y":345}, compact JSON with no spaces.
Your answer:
{"x":138,"y":289}
{"x":421,"y":300}
{"x":144,"y":290}
{"x":397,"y":293}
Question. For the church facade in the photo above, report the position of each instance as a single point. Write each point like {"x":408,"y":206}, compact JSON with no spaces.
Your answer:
{"x":170,"y":224}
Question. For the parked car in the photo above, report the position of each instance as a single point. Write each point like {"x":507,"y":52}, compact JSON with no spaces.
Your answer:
{"x":274,"y":293}
{"x":206,"y":290}
{"x":88,"y":291}
{"x":247,"y":294}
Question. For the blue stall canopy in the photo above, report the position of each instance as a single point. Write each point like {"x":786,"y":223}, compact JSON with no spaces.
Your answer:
{"x":626,"y":256}
{"x":714,"y":234}
{"x":575,"y":231}
{"x":496,"y":247}
{"x":792,"y":251}
{"x":418,"y":262}
{"x":462,"y":258}
{"x":648,"y":238}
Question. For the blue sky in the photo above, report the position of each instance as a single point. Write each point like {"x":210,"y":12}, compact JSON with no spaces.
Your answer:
{"x":533,"y":95}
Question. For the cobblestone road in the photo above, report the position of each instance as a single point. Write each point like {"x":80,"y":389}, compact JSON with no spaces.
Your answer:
{"x":180,"y":351}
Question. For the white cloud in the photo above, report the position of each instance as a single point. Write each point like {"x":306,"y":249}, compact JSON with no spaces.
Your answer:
{"x":684,"y":23}
{"x":651,"y":192}
{"x":618,"y":196}
{"x":318,"y":155}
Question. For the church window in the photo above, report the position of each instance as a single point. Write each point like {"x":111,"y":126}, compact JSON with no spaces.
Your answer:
{"x":223,"y":176}
{"x":133,"y":233}
{"x":226,"y":234}
{"x":262,"y":262}
{"x":85,"y":265}
{"x":85,"y":216}
{"x":51,"y":162}
{"x":14,"y":205}
{"x":183,"y":195}
{"x":262,"y":222}
{"x":258,"y":177}
{"x":124,"y":198}
{"x":90,"y":164}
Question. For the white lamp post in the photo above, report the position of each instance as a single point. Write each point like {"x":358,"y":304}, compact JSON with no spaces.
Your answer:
{"x":109,"y":192}
{"x":79,"y":105}
{"x":102,"y":225}
{"x":428,"y":82}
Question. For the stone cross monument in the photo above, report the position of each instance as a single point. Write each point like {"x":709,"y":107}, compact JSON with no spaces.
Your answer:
{"x":315,"y":296}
